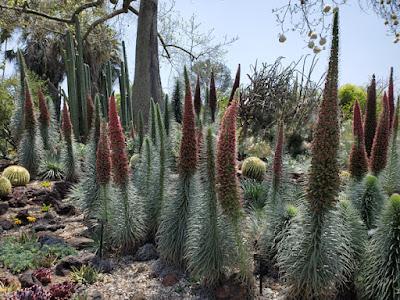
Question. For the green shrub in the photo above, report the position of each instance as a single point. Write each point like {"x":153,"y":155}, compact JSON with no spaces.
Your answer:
{"x":254,"y":193}
{"x":254,"y":168}
{"x":380,"y":273}
{"x":348,"y":94}
{"x":5,"y":186}
{"x":17,"y":175}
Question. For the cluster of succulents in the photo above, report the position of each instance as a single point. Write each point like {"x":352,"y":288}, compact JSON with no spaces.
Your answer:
{"x":5,"y":186}
{"x":17,"y":175}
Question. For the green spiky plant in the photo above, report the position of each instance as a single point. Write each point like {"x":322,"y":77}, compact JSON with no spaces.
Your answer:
{"x":197,"y":98}
{"x":17,"y":119}
{"x":315,"y":259}
{"x":128,"y":218}
{"x":172,"y":232}
{"x":228,"y":187}
{"x":69,"y":160}
{"x":153,"y":122}
{"x":380,"y":146}
{"x":391,"y":98}
{"x":177,"y":102}
{"x":212,"y":102}
{"x":236,"y":84}
{"x":391,"y":174}
{"x":167,"y":118}
{"x":254,"y":168}
{"x":370,"y":117}
{"x":18,"y":176}
{"x":44,"y":121}
{"x":380,"y":273}
{"x":358,"y":162}
{"x":210,"y":246}
{"x":141,"y":130}
{"x":30,"y":148}
{"x":368,"y":198}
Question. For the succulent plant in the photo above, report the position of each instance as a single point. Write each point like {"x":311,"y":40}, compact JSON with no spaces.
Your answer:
{"x":370,"y":117}
{"x":34,"y":292}
{"x":254,"y":168}
{"x":43,"y":275}
{"x":212,"y":101}
{"x":177,"y":102}
{"x":69,"y":159}
{"x":380,"y":274}
{"x":5,"y":186}
{"x":62,"y":291}
{"x":236,"y":84}
{"x":18,"y":176}
{"x":135,"y":158}
{"x":391,"y":97}
{"x":197,"y":98}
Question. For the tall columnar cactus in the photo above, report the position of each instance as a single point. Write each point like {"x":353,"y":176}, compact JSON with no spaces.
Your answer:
{"x":212,"y":98}
{"x":128,"y":222}
{"x":29,"y":150}
{"x":391,"y":97}
{"x":167,"y":118}
{"x":227,"y":181}
{"x":44,"y":121}
{"x":324,"y":172}
{"x":380,"y":146}
{"x":197,"y":98}
{"x":90,"y":111}
{"x":141,"y":130}
{"x":124,"y":97}
{"x":153,"y":122}
{"x":358,"y":162}
{"x":370,"y":117}
{"x":380,"y":274}
{"x":177,"y":102}
{"x":172,"y":233}
{"x":236,"y":84}
{"x":128,"y":93}
{"x":69,"y":160}
{"x":277,"y":168}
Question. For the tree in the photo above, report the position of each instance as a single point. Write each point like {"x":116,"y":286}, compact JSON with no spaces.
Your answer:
{"x":348,"y":94}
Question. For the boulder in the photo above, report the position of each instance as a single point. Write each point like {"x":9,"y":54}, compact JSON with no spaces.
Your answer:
{"x":6,"y":224}
{"x":3,"y":208}
{"x":27,"y":279}
{"x":80,"y":242}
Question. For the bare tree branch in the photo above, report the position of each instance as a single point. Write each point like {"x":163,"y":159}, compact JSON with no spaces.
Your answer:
{"x":35,"y":12}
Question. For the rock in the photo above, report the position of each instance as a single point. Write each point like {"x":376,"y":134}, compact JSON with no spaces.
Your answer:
{"x":61,"y":189}
{"x":170,"y":279}
{"x":47,"y":239}
{"x":23,"y":216}
{"x":3,"y":208}
{"x":232,"y":289}
{"x":96,"y":295}
{"x":44,"y":227}
{"x":103,"y":265}
{"x":65,"y":265}
{"x":139,"y":296}
{"x":65,"y":209}
{"x":49,"y":216}
{"x":146,"y":252}
{"x":80,"y":242}
{"x":6,"y":224}
{"x":27,"y":279}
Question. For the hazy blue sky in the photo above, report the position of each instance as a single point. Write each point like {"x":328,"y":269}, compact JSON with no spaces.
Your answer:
{"x":365,"y":46}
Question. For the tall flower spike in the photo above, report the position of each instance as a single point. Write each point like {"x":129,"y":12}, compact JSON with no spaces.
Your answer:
{"x":188,"y":148}
{"x":278,"y":166}
{"x":227,"y":181}
{"x":66,"y":124}
{"x":119,"y":158}
{"x":44,"y":117}
{"x":213,"y":97}
{"x":391,"y":97}
{"x":236,"y":84}
{"x":358,"y":162}
{"x":370,"y":117}
{"x":29,"y":115}
{"x":103,"y":160}
{"x":197,"y":98}
{"x":381,"y":141}
{"x":324,"y":172}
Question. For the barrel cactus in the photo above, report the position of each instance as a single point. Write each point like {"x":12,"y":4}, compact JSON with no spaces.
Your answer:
{"x":254,"y":168}
{"x":17,"y":175}
{"x":134,"y":160}
{"x":5,"y":186}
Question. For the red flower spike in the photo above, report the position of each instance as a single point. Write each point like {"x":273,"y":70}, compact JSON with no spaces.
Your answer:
{"x":370,"y":117}
{"x":44,"y":117}
{"x":278,"y":165}
{"x":391,"y":97}
{"x":213,"y":97}
{"x":29,"y":115}
{"x":358,"y":162}
{"x":66,"y":123}
{"x":381,"y":140}
{"x":188,"y":149}
{"x":227,"y":181}
{"x":103,"y":160}
{"x":197,"y":98}
{"x":119,"y":158}
{"x":236,"y":84}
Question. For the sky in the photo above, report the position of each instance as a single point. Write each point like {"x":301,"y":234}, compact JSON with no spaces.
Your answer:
{"x":365,"y":47}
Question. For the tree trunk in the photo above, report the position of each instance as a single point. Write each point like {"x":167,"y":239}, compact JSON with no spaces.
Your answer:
{"x":147,"y":81}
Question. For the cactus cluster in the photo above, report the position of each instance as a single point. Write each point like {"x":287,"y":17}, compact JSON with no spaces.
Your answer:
{"x":18,"y":176}
{"x":5,"y":186}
